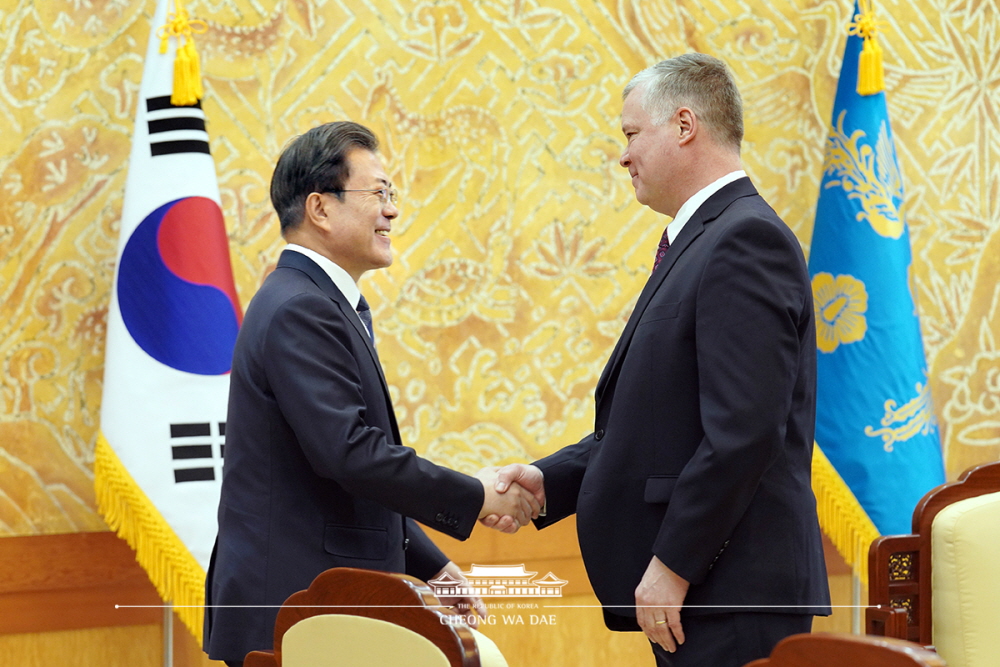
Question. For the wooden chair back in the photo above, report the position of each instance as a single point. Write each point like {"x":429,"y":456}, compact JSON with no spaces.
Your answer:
{"x":899,"y":566}
{"x":395,"y":598}
{"x":841,"y":650}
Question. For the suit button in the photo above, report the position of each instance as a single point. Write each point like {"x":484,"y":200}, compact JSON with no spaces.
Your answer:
{"x":440,"y":517}
{"x":599,"y":434}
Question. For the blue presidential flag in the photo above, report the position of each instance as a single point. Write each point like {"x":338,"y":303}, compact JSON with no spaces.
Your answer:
{"x":875,"y":420}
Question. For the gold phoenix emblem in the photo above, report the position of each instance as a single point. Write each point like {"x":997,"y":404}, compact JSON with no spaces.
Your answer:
{"x":868,"y":175}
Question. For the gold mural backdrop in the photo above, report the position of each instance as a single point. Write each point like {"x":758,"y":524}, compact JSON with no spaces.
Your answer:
{"x":520,"y":250}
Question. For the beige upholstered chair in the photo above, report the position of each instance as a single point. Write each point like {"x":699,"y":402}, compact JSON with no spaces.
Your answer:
{"x":363,"y":618}
{"x":965,"y":578}
{"x":342,"y":640}
{"x":839,"y":650}
{"x":939,"y":586}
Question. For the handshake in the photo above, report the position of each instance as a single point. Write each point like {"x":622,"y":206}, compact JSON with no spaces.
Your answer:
{"x":515,"y":494}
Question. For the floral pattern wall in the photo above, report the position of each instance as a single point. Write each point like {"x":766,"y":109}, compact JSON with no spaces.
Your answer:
{"x":520,"y":250}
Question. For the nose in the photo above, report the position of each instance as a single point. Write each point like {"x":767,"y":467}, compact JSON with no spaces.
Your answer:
{"x":625,"y":160}
{"x":389,"y":210}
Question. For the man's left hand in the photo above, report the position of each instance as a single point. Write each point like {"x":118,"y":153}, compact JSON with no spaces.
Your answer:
{"x":658,"y":601}
{"x":471,"y":607}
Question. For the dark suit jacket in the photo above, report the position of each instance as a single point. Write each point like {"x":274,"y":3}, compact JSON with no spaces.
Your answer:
{"x":702,"y":447}
{"x":315,"y":474}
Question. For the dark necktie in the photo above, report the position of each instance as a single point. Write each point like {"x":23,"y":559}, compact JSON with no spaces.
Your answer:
{"x":661,"y":249}
{"x":365,"y":313}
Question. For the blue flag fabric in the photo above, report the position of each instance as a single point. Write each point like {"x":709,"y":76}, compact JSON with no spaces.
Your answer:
{"x":875,"y":421}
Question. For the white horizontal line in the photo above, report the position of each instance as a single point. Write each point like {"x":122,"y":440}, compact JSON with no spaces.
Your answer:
{"x":272,"y":606}
{"x":709,"y":606}
{"x":547,"y":606}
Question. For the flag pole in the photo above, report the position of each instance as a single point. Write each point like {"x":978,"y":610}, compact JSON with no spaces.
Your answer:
{"x":168,"y":635}
{"x":856,"y":593}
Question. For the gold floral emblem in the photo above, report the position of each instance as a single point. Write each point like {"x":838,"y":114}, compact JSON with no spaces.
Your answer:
{"x":840,"y":304}
{"x":868,"y":175}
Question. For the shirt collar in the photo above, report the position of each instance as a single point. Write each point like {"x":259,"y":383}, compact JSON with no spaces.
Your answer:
{"x":689,"y":207}
{"x":341,"y":278}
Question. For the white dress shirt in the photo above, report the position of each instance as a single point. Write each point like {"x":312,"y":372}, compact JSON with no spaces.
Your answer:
{"x":694,"y":203}
{"x":341,"y":278}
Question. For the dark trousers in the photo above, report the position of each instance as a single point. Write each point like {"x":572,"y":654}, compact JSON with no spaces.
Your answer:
{"x":233,"y":663}
{"x":730,"y":640}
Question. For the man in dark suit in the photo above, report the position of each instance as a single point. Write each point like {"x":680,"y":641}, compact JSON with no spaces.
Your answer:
{"x":695,"y":511}
{"x":315,"y":474}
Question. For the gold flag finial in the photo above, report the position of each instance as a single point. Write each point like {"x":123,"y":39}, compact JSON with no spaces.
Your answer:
{"x":187,"y":66}
{"x":871,"y":75}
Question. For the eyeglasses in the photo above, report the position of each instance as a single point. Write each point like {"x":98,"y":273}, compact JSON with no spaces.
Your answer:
{"x":386,"y":195}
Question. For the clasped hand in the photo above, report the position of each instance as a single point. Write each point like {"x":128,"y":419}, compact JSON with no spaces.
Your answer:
{"x":515,"y":494}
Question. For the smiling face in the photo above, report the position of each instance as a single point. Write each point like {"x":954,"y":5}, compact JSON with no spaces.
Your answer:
{"x":357,"y":225}
{"x":651,"y":155}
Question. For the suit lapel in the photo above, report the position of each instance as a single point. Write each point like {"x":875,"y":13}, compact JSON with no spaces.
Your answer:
{"x":694,"y":227}
{"x":683,"y":240}
{"x":296,"y":260}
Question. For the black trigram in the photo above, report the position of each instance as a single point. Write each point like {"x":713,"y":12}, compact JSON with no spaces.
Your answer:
{"x":174,"y":129}
{"x":195,"y":444}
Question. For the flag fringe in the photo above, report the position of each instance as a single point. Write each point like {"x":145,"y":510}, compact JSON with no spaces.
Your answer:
{"x":174,"y":572}
{"x":841,"y":516}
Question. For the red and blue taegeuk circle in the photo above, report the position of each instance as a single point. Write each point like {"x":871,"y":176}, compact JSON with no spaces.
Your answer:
{"x":176,"y":290}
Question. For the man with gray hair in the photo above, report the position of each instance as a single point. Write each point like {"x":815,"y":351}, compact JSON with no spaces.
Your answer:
{"x":695,"y":511}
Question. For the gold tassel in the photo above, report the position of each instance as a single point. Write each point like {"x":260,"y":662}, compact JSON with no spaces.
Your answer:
{"x":187,"y":76}
{"x":871,"y":77}
{"x":871,"y":73}
{"x":187,"y":65}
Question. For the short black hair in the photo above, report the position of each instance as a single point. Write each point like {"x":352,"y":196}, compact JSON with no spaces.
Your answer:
{"x":315,"y":162}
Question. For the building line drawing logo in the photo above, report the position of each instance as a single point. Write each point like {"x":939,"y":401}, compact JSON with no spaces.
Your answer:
{"x":498,"y":581}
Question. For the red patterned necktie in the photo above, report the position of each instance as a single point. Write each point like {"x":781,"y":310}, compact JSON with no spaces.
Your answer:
{"x":661,"y":249}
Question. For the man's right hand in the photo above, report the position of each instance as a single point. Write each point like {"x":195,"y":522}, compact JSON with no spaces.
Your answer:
{"x":515,"y":505}
{"x":515,"y":475}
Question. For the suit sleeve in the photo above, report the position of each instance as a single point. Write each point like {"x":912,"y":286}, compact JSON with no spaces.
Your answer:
{"x":563,"y":472}
{"x":752,"y":313}
{"x":321,"y":376}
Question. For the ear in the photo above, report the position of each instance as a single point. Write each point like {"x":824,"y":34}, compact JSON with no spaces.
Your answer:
{"x":317,"y":211}
{"x":687,"y":124}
